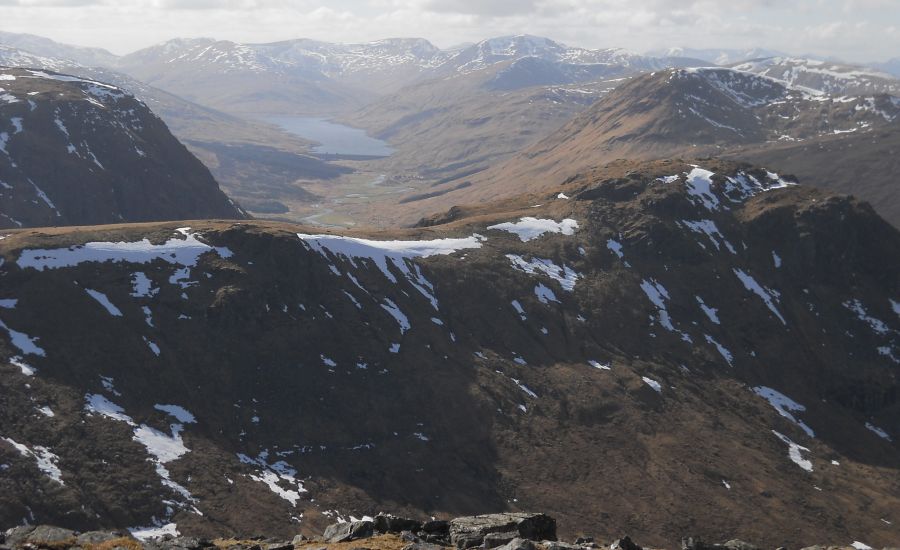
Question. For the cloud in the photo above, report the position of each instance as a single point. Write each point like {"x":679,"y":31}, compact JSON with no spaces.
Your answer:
{"x":825,"y":27}
{"x":495,"y":8}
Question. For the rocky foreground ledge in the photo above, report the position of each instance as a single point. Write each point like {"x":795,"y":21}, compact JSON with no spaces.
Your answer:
{"x":506,"y":531}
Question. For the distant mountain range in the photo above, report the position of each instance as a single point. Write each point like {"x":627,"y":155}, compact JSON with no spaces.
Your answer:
{"x":687,"y":113}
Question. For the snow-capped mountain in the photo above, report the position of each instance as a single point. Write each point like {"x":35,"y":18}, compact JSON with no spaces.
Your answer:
{"x":497,"y":50}
{"x":717,"y":56}
{"x":823,"y":76}
{"x":76,"y":151}
{"x":44,"y":47}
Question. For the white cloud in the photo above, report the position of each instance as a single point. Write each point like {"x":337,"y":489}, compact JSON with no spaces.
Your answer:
{"x":840,"y":28}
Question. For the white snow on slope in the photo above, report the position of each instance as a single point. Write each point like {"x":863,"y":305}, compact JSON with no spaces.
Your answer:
{"x":795,"y":452}
{"x":398,"y":315}
{"x":564,"y":275}
{"x":768,"y":296}
{"x":43,"y":457}
{"x":658,"y":295}
{"x":175,"y":251}
{"x":616,"y":248}
{"x":161,"y":446}
{"x":519,"y":309}
{"x":104,"y":301}
{"x":529,"y":228}
{"x":398,"y":254}
{"x":785,"y":406}
{"x":179,"y":413}
{"x":599,"y":365}
{"x":723,"y":351}
{"x":699,"y":186}
{"x":657,"y":387}
{"x":878,"y":431}
{"x":708,"y":228}
{"x":154,"y":531}
{"x":544,"y":294}
{"x":25,"y":343}
{"x":142,"y":286}
{"x":878,"y":326}
{"x":274,"y":475}
{"x":711,"y":312}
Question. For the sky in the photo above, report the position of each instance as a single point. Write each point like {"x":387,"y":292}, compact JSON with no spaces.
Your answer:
{"x":852,"y":30}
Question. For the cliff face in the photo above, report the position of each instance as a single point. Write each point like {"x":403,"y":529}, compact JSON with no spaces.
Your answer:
{"x":664,"y":350}
{"x":78,"y":152}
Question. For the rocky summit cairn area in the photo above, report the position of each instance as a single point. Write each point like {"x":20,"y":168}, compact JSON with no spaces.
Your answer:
{"x":504,"y":531}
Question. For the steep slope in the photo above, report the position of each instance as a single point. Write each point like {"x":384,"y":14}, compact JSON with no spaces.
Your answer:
{"x":672,"y":351}
{"x":682,"y":112}
{"x":76,"y":151}
{"x":462,"y":124}
{"x":256,"y":163}
{"x":865,"y":165}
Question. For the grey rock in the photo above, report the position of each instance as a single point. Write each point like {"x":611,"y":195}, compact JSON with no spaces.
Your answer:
{"x":519,"y":544}
{"x":97,"y":537}
{"x":16,"y":536}
{"x":584,"y":540}
{"x":347,"y":531}
{"x":46,"y":535}
{"x":494,"y":540}
{"x":299,"y":539}
{"x":409,"y":536}
{"x":423,"y":546}
{"x":736,"y":544}
{"x":386,"y":523}
{"x":624,"y":543}
{"x":470,"y":531}
{"x":556,"y":545}
{"x":437,"y":527}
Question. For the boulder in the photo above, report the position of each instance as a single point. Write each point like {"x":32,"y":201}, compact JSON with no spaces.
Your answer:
{"x":556,"y":545}
{"x":16,"y":536}
{"x":299,"y":539}
{"x":624,"y":543}
{"x":519,"y":544}
{"x":349,"y":530}
{"x":423,"y":546}
{"x":386,"y":523}
{"x":494,"y":540}
{"x":97,"y":537}
{"x":437,"y":527}
{"x":466,"y":532}
{"x":736,"y":544}
{"x":49,"y":536}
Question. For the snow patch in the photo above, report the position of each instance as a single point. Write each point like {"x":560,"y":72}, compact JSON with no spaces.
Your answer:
{"x":784,"y":405}
{"x":529,"y":228}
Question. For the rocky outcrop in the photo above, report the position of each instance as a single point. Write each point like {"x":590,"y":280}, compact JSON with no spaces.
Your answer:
{"x":493,"y":530}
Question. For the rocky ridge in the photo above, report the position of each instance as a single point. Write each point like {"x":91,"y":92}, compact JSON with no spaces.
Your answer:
{"x":504,"y":531}
{"x":657,"y":349}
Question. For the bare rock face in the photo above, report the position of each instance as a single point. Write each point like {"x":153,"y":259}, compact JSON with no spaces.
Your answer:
{"x":79,"y":152}
{"x":467,"y":532}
